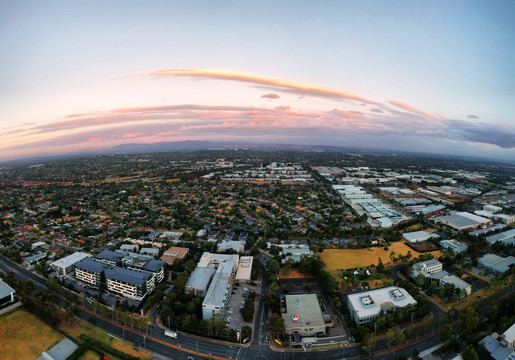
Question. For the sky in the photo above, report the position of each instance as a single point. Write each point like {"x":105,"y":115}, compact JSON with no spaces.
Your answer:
{"x":425,"y":76}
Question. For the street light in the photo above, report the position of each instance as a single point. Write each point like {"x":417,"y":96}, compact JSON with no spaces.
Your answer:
{"x":144,"y":340}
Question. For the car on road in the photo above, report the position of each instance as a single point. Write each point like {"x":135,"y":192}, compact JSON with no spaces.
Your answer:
{"x":266,"y":339}
{"x":190,"y":357}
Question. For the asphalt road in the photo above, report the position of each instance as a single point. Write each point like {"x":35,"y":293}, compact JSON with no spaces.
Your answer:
{"x":257,"y":350}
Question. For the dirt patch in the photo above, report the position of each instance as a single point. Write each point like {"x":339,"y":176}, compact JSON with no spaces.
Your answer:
{"x":292,"y":274}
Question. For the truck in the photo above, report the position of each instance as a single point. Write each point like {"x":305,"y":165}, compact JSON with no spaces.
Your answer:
{"x":171,"y":334}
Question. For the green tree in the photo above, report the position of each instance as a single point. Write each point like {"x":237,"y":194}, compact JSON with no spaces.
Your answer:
{"x":447,"y":333}
{"x":470,"y":319}
{"x":469,"y":354}
{"x":276,"y":325}
{"x":368,"y":344}
{"x":399,"y":338}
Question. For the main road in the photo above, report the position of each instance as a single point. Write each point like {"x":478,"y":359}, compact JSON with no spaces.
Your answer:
{"x":185,"y":346}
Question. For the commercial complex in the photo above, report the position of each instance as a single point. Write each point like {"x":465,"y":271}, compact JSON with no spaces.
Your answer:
{"x":302,"y":315}
{"x":366,"y":306}
{"x":65,"y":265}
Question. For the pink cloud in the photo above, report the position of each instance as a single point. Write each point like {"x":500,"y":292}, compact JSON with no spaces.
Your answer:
{"x":95,"y":139}
{"x":296,"y":86}
{"x":282,"y":107}
{"x":411,"y":109}
{"x":270,"y":96}
{"x":128,"y":136}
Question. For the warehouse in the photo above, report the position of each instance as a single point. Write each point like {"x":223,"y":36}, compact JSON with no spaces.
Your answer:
{"x":464,"y":221}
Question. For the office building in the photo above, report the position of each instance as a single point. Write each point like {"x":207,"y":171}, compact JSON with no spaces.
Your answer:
{"x":219,"y":293}
{"x":65,"y":265}
{"x":366,"y":306}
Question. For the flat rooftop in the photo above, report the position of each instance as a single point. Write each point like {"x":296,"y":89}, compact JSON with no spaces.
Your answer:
{"x":244,"y":271}
{"x":219,"y":286}
{"x":5,"y":290}
{"x":109,"y":255}
{"x":88,"y":264}
{"x":306,"y":306}
{"x":389,"y":297}
{"x":128,"y":276}
{"x":70,"y":259}
{"x":200,"y":278}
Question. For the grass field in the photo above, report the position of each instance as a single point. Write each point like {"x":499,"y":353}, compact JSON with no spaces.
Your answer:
{"x":337,"y":259}
{"x":82,"y":327}
{"x":24,"y":336}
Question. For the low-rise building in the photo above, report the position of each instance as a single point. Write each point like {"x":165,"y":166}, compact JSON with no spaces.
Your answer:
{"x":30,"y":261}
{"x":458,"y":283}
{"x":174,"y":253}
{"x":497,"y":264}
{"x":506,"y":237}
{"x":418,"y":236}
{"x":65,"y":265}
{"x":464,"y":221}
{"x":366,"y":306}
{"x":302,"y":315}
{"x":238,"y":246}
{"x":7,"y":293}
{"x":454,"y":245}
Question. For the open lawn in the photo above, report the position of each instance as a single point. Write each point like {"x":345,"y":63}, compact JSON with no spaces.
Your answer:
{"x":82,"y":327}
{"x":338,"y":259}
{"x":24,"y":336}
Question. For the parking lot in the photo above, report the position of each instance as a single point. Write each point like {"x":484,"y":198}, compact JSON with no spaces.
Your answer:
{"x":238,"y":298}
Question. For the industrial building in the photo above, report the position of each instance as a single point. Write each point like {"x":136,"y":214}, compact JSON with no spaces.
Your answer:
{"x":432,"y":270}
{"x":454,"y":245}
{"x":7,"y":293}
{"x":65,"y":265}
{"x":366,"y":306}
{"x":464,"y":221}
{"x":497,"y":264}
{"x":418,"y":236}
{"x":506,"y":237}
{"x":302,"y":315}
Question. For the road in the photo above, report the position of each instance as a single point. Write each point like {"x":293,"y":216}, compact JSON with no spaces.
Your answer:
{"x":157,"y":342}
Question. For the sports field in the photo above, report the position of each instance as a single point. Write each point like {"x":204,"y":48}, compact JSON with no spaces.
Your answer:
{"x":338,"y":259}
{"x":24,"y":336}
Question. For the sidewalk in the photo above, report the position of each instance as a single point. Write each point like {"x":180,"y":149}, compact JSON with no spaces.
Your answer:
{"x":10,"y":307}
